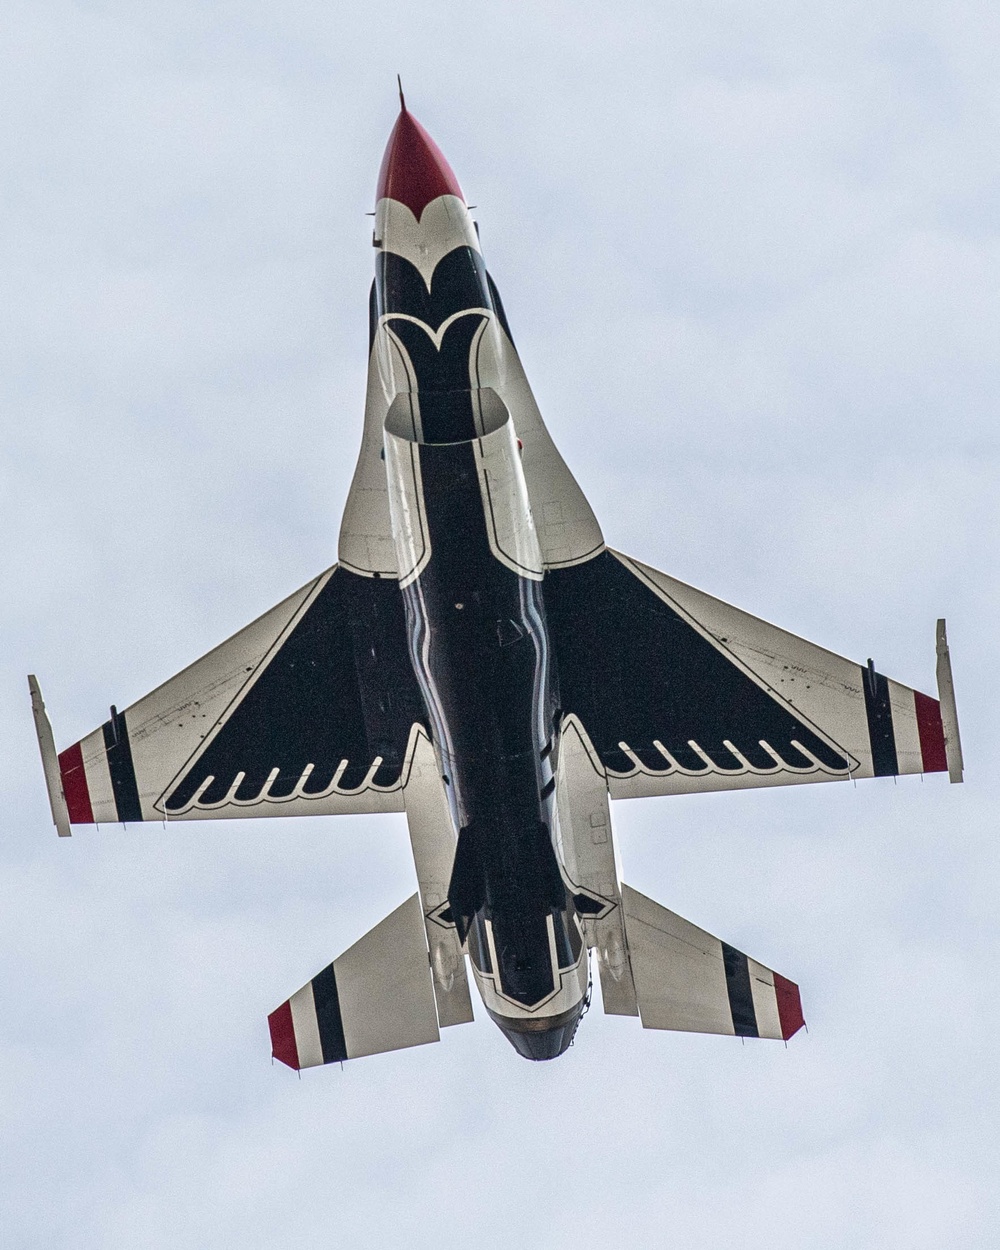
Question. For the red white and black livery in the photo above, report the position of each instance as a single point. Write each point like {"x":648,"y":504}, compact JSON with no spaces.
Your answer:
{"x":479,"y":659}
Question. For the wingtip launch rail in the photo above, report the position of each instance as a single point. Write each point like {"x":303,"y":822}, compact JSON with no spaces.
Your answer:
{"x":50,"y":761}
{"x":949,"y":710}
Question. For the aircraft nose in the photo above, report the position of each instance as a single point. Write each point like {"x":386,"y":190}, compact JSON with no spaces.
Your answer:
{"x":414,"y":170}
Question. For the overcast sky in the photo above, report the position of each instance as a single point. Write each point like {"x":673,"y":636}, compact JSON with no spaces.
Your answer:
{"x":750,"y":255}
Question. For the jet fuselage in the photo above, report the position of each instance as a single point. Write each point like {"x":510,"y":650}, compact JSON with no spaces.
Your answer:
{"x":479,"y":659}
{"x":471,"y":576}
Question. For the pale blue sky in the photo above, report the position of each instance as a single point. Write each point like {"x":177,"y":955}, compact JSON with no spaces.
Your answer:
{"x":750,"y":255}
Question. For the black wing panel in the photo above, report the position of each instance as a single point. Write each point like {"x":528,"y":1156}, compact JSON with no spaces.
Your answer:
{"x":309,"y":710}
{"x":679,"y":692}
{"x":332,"y":709}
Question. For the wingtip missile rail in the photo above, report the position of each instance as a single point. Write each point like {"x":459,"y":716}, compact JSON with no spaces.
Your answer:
{"x":50,"y":761}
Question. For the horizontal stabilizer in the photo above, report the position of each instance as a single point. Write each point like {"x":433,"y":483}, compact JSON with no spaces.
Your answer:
{"x":689,"y":981}
{"x":375,"y":997}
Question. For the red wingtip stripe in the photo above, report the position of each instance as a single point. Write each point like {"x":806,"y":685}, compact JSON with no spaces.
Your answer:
{"x":789,"y":1006}
{"x":75,"y":788}
{"x":931,"y":731}
{"x":283,"y":1045}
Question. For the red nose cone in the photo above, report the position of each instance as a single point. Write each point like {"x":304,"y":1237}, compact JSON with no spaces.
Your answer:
{"x":413,"y":170}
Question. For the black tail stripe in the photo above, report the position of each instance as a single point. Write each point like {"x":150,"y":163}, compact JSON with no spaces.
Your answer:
{"x":880,"y":730}
{"x":331,"y":1024}
{"x":740,"y":994}
{"x":122,"y":769}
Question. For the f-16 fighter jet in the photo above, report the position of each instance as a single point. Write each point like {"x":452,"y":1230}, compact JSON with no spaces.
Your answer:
{"x":479,"y":659}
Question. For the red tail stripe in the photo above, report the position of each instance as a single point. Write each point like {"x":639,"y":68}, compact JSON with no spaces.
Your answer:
{"x":931,"y":730}
{"x":75,"y":788}
{"x":283,"y":1045}
{"x":789,"y":1006}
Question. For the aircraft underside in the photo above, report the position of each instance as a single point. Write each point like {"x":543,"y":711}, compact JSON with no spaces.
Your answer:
{"x":481,"y":661}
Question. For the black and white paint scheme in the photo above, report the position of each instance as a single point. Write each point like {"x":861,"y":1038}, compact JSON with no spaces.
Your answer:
{"x":480,"y":660}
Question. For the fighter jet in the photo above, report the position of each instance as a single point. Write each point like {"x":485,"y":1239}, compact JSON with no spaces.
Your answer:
{"x":480,"y":660}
